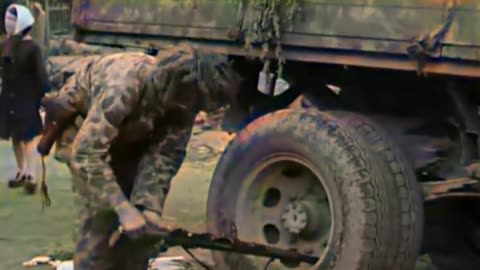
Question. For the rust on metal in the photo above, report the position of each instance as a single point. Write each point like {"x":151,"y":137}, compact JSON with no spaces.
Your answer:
{"x":463,"y":195}
{"x":447,"y":188}
{"x":437,"y":67}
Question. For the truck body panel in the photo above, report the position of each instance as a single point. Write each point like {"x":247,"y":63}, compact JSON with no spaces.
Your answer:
{"x":370,"y":33}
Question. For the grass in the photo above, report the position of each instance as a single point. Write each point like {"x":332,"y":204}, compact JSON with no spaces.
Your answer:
{"x":25,"y":232}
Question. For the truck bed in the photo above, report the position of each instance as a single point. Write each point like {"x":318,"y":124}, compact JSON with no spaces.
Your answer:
{"x":373,"y":33}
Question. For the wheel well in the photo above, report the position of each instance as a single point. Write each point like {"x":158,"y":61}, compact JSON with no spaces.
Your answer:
{"x":434,"y":117}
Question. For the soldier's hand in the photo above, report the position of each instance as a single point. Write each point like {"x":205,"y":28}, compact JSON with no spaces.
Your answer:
{"x":132,"y":221}
{"x":157,"y":225}
{"x":155,"y":221}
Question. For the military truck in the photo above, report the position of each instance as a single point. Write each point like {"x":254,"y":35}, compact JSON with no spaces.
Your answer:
{"x":377,"y":160}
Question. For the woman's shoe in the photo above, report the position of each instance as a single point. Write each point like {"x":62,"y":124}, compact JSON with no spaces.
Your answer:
{"x":18,"y":181}
{"x":30,"y":185}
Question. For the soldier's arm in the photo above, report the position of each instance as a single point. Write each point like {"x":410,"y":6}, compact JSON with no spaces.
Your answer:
{"x":90,"y":150}
{"x":158,"y":166}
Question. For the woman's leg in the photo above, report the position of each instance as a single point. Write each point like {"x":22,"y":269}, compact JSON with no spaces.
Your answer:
{"x":18,"y":150}
{"x":18,"y":147}
{"x":31,"y":158}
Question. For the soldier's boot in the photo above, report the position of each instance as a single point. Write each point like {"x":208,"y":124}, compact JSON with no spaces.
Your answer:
{"x":30,"y":184}
{"x":17,"y":181}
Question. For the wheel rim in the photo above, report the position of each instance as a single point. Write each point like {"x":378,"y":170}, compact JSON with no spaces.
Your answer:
{"x":282,"y":203}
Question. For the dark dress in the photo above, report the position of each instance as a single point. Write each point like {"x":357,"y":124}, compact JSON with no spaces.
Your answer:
{"x":24,"y":82}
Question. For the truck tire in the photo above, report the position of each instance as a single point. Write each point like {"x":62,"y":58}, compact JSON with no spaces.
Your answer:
{"x":321,"y":184}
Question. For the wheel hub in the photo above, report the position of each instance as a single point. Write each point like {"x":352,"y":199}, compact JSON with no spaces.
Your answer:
{"x":283,"y":203}
{"x":302,"y":217}
{"x":295,"y":217}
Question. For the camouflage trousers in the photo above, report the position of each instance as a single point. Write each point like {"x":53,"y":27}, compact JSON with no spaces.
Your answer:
{"x":94,"y":227}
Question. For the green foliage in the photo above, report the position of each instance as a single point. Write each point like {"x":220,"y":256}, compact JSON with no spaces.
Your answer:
{"x":269,"y":18}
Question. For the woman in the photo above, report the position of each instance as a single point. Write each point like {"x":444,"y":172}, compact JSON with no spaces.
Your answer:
{"x":24,"y":82}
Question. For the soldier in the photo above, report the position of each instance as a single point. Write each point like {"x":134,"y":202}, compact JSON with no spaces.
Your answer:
{"x":135,"y":116}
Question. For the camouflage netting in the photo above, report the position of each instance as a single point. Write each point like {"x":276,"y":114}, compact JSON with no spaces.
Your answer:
{"x":267,"y":20}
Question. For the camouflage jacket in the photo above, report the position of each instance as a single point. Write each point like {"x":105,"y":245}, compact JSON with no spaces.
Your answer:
{"x":128,"y":97}
{"x":61,"y":68}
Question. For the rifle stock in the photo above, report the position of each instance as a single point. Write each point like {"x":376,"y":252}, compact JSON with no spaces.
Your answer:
{"x":58,"y":115}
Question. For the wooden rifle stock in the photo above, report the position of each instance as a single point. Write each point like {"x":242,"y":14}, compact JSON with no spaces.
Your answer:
{"x":58,"y":115}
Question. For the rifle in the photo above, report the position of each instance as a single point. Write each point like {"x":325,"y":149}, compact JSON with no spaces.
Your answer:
{"x":58,"y":115}
{"x":170,"y":236}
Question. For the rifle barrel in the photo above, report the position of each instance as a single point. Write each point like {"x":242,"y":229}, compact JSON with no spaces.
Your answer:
{"x":207,"y":241}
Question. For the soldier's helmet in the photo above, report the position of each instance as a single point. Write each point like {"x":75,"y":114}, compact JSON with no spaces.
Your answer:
{"x":219,"y":82}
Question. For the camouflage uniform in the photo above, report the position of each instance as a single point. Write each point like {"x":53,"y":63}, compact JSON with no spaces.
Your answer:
{"x":130,"y":139}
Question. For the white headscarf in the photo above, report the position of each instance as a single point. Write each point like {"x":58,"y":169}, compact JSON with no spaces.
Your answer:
{"x":24,"y":19}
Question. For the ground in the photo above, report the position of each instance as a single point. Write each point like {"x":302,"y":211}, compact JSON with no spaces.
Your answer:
{"x":25,"y":232}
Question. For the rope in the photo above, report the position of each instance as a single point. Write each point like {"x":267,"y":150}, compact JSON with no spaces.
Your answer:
{"x":46,"y":202}
{"x":196,"y":259}
{"x":268,"y":263}
{"x":265,"y":28}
